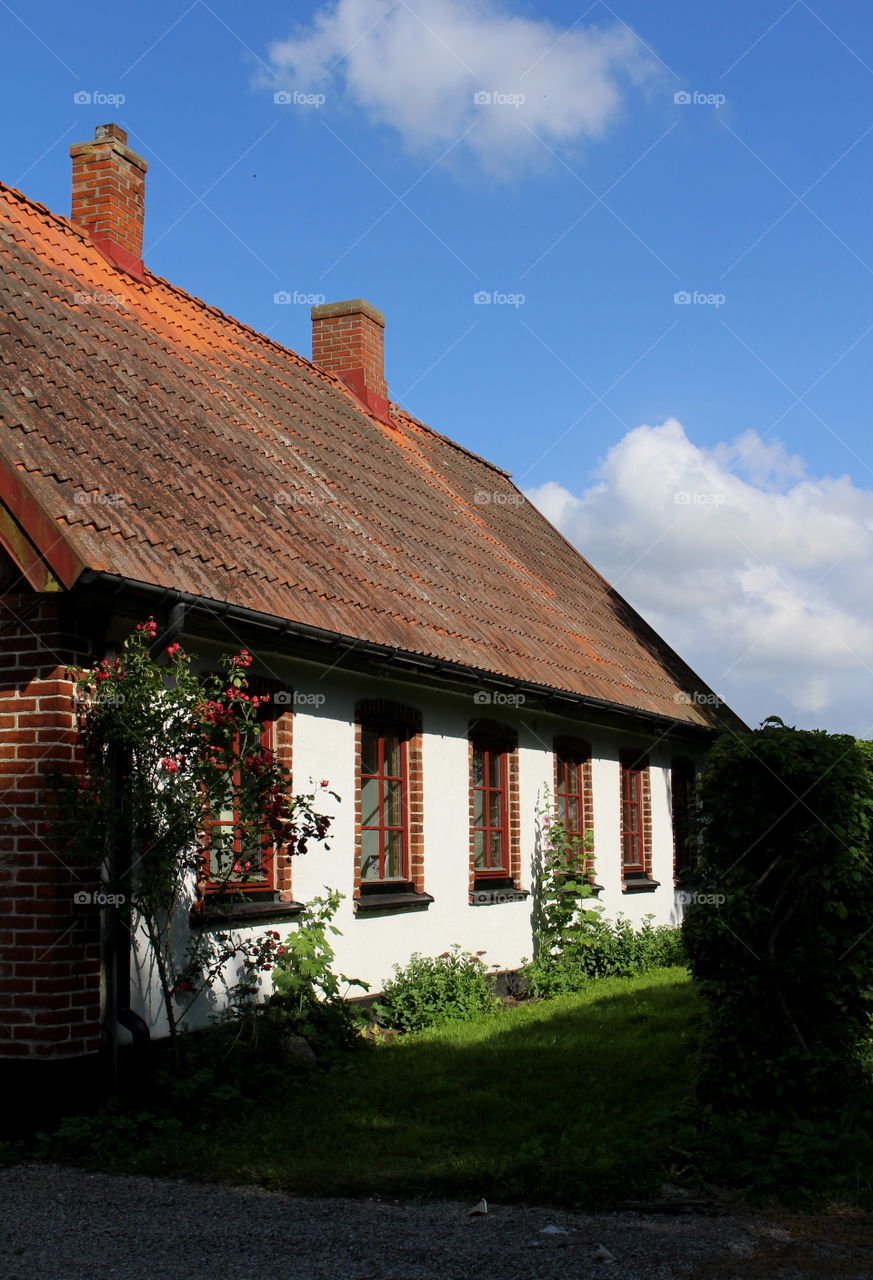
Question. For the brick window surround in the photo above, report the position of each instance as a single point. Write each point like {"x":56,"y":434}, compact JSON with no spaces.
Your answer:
{"x":402,"y":721}
{"x":636,"y":817}
{"x":498,"y":740}
{"x":683,"y":776}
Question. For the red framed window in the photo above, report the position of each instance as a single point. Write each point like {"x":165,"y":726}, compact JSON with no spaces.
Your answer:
{"x":570,"y":793}
{"x":490,"y":822}
{"x":235,"y":862}
{"x":384,"y":788}
{"x":683,"y":777}
{"x":634,"y":772}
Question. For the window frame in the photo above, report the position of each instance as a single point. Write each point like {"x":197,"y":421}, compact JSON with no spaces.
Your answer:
{"x":634,"y":766}
{"x":491,"y":747}
{"x":402,"y":732}
{"x":683,"y":771}
{"x":241,"y":890}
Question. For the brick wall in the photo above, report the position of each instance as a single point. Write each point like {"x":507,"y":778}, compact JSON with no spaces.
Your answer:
{"x":50,"y":951}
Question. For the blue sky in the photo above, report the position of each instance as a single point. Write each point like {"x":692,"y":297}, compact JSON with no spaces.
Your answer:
{"x":710,"y":456}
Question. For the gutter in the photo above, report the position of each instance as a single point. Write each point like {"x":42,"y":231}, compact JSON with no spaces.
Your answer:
{"x":399,"y":660}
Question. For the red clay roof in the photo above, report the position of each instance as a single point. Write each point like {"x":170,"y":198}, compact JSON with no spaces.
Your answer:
{"x":146,"y":434}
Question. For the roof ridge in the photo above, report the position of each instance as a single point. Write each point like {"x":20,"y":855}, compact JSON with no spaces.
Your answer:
{"x":332,"y":378}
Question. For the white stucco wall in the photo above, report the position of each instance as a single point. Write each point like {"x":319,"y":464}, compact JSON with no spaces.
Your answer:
{"x":324,"y":748}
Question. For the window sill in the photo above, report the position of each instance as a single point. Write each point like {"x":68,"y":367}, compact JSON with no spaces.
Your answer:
{"x":215,"y":914}
{"x":374,"y":903}
{"x":483,"y":896}
{"x":639,"y":884}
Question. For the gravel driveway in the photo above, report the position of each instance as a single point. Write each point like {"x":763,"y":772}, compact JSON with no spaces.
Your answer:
{"x":59,"y":1223}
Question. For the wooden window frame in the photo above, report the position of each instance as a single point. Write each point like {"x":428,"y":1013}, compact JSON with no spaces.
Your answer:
{"x":635,"y":765}
{"x":406,"y":722}
{"x":573,"y":753}
{"x":491,"y":749}
{"x":683,"y":778}
{"x":383,"y":729}
{"x":498,"y":738}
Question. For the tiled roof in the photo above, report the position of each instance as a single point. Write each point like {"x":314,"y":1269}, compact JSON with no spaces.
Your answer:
{"x":146,"y":434}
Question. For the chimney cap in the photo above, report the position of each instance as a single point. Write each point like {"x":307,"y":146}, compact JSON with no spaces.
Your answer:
{"x":351,"y":307}
{"x":111,"y":130}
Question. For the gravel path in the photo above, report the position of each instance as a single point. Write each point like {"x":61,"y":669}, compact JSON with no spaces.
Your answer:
{"x":59,"y":1223}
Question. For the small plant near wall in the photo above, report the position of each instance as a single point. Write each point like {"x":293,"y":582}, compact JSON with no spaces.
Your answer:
{"x":430,"y":991}
{"x":573,"y":942}
{"x":161,"y":749}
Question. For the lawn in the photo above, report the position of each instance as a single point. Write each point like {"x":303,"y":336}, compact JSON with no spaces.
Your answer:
{"x":564,"y":1101}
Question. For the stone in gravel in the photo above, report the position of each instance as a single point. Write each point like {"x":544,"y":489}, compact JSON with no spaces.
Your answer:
{"x":601,"y":1254}
{"x":480,"y":1208}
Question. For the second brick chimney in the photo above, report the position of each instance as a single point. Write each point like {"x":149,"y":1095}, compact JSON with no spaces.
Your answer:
{"x":348,"y":339}
{"x":109,"y":196}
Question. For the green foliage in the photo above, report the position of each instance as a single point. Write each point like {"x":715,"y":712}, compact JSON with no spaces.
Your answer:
{"x":603,"y":948}
{"x":779,"y":931}
{"x":310,"y":998}
{"x":431,"y":991}
{"x":162,"y":748}
{"x":573,"y":942}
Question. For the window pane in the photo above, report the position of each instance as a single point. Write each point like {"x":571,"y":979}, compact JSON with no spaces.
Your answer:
{"x":393,"y":804}
{"x":392,"y":756}
{"x":369,"y":855}
{"x":632,"y":785}
{"x":572,"y":820}
{"x":478,"y":767}
{"x":478,"y":808}
{"x":370,"y":802}
{"x":496,"y":848}
{"x":369,"y":750}
{"x":495,"y":809}
{"x":393,"y":855}
{"x":479,"y":849}
{"x":494,"y":759}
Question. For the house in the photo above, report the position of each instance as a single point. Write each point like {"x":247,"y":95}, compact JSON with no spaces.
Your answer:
{"x":424,"y":632}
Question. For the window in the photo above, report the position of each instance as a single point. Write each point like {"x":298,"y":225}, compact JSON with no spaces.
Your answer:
{"x":490,"y":825}
{"x":682,"y":780}
{"x":573,"y":792}
{"x":635,"y":801}
{"x":495,"y":817}
{"x":384,"y":822}
{"x":389,"y":808}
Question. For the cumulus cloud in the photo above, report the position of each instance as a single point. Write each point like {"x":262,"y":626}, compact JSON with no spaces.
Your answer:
{"x":759,"y":574}
{"x":419,"y":65}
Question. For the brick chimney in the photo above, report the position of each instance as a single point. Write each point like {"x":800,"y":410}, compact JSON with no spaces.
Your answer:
{"x":347,"y":339}
{"x":109,"y":196}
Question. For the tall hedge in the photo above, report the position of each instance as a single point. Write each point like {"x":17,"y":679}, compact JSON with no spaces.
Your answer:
{"x":780,"y":932}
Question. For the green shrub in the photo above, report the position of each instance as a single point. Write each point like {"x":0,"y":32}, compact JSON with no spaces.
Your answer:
{"x":602,"y":948}
{"x":779,"y":935}
{"x":431,"y":991}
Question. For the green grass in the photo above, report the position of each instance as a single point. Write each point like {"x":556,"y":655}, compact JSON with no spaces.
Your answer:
{"x":564,"y":1101}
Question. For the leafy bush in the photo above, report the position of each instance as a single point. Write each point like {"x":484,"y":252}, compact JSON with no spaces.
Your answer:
{"x":602,"y":948}
{"x":431,"y":991}
{"x":779,"y":933}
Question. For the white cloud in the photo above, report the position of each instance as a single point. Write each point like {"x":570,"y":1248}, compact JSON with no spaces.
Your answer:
{"x":759,"y":574}
{"x":416,"y":66}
